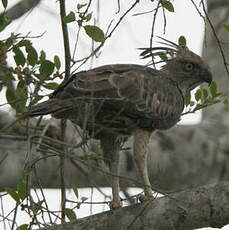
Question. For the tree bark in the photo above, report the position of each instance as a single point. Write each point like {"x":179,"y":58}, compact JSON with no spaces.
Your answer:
{"x":183,"y":157}
{"x":206,"y":206}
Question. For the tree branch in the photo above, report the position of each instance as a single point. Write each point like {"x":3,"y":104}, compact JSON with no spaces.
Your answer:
{"x":66,"y":39}
{"x":21,"y":8}
{"x":205,"y":206}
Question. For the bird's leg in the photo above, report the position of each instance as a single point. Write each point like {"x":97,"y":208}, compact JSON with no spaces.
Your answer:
{"x":141,"y":140}
{"x":111,"y":146}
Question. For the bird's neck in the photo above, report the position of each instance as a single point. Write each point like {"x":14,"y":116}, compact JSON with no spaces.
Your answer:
{"x":182,"y":82}
{"x":184,"y":87}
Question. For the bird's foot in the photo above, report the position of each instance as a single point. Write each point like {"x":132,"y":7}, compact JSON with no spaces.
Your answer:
{"x":115,"y":204}
{"x":143,"y":198}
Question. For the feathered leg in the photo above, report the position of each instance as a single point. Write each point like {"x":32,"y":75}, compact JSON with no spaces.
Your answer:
{"x":141,"y":140}
{"x":111,"y":145}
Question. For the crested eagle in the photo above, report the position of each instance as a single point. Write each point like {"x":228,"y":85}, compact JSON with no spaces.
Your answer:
{"x":113,"y":102}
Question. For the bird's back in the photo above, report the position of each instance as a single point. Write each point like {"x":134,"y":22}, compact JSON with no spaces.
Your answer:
{"x":117,"y":98}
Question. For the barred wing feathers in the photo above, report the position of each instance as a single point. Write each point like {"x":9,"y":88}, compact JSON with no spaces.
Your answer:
{"x":118,"y":97}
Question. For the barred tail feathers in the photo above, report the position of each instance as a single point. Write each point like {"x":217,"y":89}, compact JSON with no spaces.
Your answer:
{"x":44,"y":108}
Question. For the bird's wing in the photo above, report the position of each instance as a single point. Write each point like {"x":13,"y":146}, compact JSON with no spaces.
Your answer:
{"x":138,"y":92}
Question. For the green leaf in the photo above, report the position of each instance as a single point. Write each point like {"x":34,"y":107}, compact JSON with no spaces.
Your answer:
{"x":19,"y":56}
{"x":79,"y":6}
{"x":42,"y":56}
{"x":94,"y":33}
{"x":1,"y":86}
{"x":212,"y":102}
{"x":205,"y":94}
{"x":213,"y":89}
{"x":5,"y":3}
{"x":7,"y":77}
{"x":35,"y":100}
{"x":21,"y":95}
{"x":57,"y":62}
{"x":70,"y":17}
{"x":3,"y":47}
{"x":9,"y":42}
{"x":187,"y":99}
{"x":21,"y":84}
{"x":167,"y":5}
{"x":199,"y":106}
{"x":182,"y":41}
{"x":11,"y":97}
{"x":88,"y":17}
{"x":32,"y":56}
{"x":226,"y":27}
{"x":23,"y":227}
{"x":75,"y":190}
{"x":46,"y":67}
{"x":13,"y":194}
{"x":51,"y":85}
{"x":37,"y":206}
{"x":4,"y":22}
{"x":24,"y":43}
{"x":70,"y":214}
{"x":163,"y":57}
{"x":22,"y":190}
{"x":198,"y":94}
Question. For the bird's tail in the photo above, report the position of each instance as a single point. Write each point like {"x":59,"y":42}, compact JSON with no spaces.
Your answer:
{"x":44,"y":108}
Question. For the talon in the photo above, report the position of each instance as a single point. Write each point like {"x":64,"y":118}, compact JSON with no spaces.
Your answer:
{"x":143,"y":198}
{"x":115,"y":204}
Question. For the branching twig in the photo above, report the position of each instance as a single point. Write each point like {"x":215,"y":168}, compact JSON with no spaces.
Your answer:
{"x":84,"y":60}
{"x":216,"y":37}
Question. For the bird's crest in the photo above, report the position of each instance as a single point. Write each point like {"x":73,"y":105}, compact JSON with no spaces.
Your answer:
{"x":167,"y":52}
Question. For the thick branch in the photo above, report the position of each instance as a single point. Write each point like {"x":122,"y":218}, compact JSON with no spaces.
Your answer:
{"x":21,"y":8}
{"x":206,"y":206}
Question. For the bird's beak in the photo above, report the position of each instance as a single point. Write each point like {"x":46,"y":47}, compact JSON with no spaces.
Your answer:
{"x":206,"y":76}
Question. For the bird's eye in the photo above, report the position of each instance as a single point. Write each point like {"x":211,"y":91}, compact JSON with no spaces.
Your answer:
{"x":188,"y":66}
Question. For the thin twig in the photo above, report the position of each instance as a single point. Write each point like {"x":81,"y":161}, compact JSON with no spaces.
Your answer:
{"x":66,"y":39}
{"x":15,"y":215}
{"x":62,"y":172}
{"x":84,"y":60}
{"x":153,"y":23}
{"x":216,"y":37}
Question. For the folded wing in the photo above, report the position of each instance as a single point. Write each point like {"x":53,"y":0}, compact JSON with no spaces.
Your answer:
{"x":118,"y":97}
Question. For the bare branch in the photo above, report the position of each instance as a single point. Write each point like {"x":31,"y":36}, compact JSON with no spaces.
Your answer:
{"x":205,"y":206}
{"x":216,"y":37}
{"x":66,"y":39}
{"x":21,"y":8}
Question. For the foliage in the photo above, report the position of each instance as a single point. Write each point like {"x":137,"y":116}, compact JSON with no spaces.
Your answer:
{"x":205,"y":97}
{"x":32,"y":73}
{"x":167,"y":5}
{"x":94,"y":32}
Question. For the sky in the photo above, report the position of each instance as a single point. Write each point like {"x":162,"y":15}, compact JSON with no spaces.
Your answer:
{"x":133,"y":33}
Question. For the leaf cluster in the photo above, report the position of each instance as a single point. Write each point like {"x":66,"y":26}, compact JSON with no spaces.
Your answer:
{"x":205,"y":97}
{"x":33,"y":72}
{"x":81,"y":17}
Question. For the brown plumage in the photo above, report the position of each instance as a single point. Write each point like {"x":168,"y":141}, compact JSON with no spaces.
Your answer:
{"x":113,"y":102}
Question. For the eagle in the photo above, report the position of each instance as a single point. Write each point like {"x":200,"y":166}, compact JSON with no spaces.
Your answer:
{"x":113,"y":102}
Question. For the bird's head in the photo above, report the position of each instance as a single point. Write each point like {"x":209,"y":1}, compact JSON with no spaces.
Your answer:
{"x":185,"y":67}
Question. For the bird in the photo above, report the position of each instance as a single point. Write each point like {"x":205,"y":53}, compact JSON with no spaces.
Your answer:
{"x":113,"y":102}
